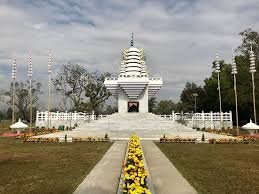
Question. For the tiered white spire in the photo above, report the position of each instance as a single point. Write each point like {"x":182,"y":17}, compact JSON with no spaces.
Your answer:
{"x":50,"y":62}
{"x":217,"y":64}
{"x":234,"y":65}
{"x":14,"y":69}
{"x":133,"y":81}
{"x":252,"y":61}
{"x":133,"y":62}
{"x":30,"y":68}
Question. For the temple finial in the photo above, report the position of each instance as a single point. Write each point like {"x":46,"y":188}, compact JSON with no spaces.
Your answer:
{"x":132,"y":40}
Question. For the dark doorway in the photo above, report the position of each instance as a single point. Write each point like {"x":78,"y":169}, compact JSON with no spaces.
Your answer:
{"x":133,"y":106}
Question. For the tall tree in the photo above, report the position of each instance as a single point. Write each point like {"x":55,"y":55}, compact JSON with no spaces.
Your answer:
{"x":70,"y":83}
{"x":188,"y":99}
{"x":110,"y":110}
{"x":22,"y":101}
{"x":165,"y":107}
{"x":249,"y":38}
{"x":244,"y":85}
{"x":211,"y":101}
{"x":96,"y":91}
{"x":8,"y":114}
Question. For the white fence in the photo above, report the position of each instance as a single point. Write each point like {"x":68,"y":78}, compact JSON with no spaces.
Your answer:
{"x":70,"y":119}
{"x":203,"y":120}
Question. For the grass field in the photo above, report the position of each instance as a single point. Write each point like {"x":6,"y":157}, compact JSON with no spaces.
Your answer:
{"x":217,"y":168}
{"x":46,"y":168}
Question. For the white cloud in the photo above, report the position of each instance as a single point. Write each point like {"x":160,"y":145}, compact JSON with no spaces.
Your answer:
{"x":179,"y":37}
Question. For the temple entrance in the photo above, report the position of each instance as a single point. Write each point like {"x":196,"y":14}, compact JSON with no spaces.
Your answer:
{"x":133,"y":107}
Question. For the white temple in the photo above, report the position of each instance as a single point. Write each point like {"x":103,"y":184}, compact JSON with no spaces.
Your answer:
{"x":133,"y":87}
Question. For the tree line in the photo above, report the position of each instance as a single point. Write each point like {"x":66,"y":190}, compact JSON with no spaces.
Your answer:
{"x":207,"y":99}
{"x":78,"y":89}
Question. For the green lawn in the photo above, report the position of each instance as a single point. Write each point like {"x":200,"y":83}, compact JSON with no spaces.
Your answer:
{"x":217,"y":168}
{"x":46,"y":168}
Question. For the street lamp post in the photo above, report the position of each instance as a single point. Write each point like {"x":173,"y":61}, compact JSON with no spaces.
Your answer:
{"x":234,"y":72}
{"x":30,"y":91}
{"x":217,"y":70}
{"x":49,"y":72}
{"x":195,"y":95}
{"x":13,"y":84}
{"x":252,"y":70}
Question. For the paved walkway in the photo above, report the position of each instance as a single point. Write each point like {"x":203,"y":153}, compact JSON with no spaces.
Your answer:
{"x":165,"y":177}
{"x":104,"y":177}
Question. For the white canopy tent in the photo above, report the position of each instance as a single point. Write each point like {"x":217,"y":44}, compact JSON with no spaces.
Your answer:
{"x":251,"y":127}
{"x":19,"y":126}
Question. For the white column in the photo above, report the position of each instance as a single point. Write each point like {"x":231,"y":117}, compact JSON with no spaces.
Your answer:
{"x":65,"y":116}
{"x":193,"y":121}
{"x":173,"y":116}
{"x":46,"y":117}
{"x":92,"y":116}
{"x":221,"y":120}
{"x":75,"y":114}
{"x":57,"y":116}
{"x":211,"y":120}
{"x":203,"y":118}
{"x":230,"y":115}
{"x":37,"y":116}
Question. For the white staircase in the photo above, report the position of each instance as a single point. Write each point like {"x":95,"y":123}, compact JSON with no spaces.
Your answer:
{"x":120,"y":126}
{"x":132,"y":121}
{"x":146,"y":125}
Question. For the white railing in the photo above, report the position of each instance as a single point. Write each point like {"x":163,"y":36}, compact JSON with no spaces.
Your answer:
{"x":224,"y":116}
{"x":133,"y":76}
{"x":66,"y":116}
{"x":203,"y":120}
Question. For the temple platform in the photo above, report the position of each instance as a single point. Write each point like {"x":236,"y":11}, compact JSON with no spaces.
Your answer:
{"x":120,"y":126}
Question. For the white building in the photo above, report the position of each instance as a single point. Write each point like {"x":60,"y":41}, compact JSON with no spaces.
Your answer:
{"x":133,"y":87}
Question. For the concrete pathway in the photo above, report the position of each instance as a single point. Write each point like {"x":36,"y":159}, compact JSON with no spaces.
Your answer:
{"x":104,"y":177}
{"x":165,"y":177}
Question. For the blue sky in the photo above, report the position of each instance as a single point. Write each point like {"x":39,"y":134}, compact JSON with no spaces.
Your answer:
{"x":180,"y":38}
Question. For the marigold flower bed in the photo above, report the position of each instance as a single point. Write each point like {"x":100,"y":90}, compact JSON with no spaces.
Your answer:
{"x":238,"y":140}
{"x":56,"y":140}
{"x":135,"y":175}
{"x":40,"y":131}
{"x":177,"y":140}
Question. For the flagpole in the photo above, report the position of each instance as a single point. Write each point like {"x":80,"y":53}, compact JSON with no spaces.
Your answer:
{"x":49,"y":86}
{"x":30,"y":91}
{"x":234,"y":72}
{"x":252,"y":70}
{"x":13,"y":88}
{"x":217,"y":67}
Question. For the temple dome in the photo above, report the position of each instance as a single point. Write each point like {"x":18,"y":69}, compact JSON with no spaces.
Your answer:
{"x":133,"y":61}
{"x":133,"y":84}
